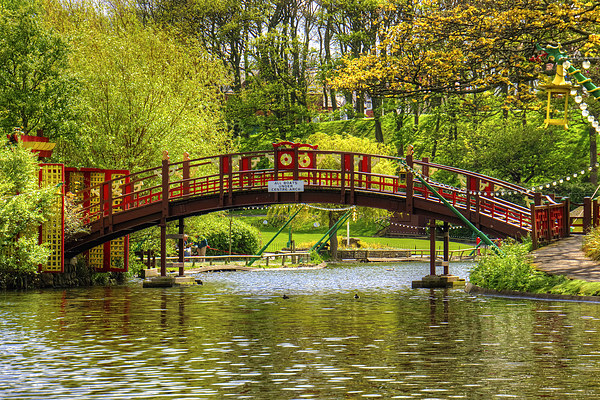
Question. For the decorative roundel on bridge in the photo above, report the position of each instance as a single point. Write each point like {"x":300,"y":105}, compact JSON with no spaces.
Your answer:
{"x":286,"y":159}
{"x":304,"y":160}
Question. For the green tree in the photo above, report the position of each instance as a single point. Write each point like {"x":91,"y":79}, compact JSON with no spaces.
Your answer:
{"x":143,"y":91}
{"x":23,"y":207}
{"x":37,"y":93}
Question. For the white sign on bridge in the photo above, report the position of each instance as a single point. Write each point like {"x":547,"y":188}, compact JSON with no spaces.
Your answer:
{"x":286,"y":186}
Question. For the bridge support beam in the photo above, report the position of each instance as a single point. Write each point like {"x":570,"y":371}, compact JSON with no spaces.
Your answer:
{"x":446,"y":262}
{"x":432,"y":247}
{"x":163,"y":247}
{"x":181,"y":246}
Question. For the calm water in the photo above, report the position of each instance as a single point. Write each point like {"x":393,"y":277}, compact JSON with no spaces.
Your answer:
{"x":236,"y":337}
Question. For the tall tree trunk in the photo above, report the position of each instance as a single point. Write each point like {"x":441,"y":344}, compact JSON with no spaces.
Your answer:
{"x":376,"y":101}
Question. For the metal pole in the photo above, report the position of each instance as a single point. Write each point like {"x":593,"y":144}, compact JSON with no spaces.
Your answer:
{"x":273,"y":238}
{"x":321,"y":242}
{"x":348,"y":233}
{"x":481,"y":235}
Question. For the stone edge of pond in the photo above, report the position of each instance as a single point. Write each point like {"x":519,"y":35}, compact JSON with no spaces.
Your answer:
{"x":473,"y":289}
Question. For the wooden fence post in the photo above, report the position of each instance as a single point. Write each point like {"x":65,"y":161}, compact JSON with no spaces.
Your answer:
{"x":534,"y":232}
{"x":587,"y":214}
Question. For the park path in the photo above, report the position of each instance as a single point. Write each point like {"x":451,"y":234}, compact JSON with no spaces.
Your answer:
{"x":565,"y":257}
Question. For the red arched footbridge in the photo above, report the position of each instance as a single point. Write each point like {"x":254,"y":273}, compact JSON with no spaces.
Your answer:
{"x":177,"y":190}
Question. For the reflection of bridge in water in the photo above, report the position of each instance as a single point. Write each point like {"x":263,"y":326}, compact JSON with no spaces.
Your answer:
{"x":174,"y":191}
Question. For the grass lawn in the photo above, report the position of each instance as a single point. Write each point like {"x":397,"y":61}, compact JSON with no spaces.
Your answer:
{"x":304,"y":239}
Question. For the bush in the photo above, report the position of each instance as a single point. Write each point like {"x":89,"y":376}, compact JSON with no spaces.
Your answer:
{"x":591,"y":244}
{"x":245,"y":239}
{"x":512,"y":271}
{"x":23,"y":207}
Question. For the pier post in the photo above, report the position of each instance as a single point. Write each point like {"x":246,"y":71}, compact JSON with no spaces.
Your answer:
{"x":432,"y":247}
{"x":181,"y":245}
{"x":446,"y":262}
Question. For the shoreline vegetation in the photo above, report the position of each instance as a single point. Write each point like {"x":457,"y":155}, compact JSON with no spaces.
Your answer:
{"x":514,"y":273}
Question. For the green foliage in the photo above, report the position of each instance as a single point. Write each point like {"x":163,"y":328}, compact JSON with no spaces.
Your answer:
{"x":512,"y":271}
{"x":135,"y":266}
{"x":315,"y":258}
{"x":37,"y":92}
{"x":23,"y":207}
{"x":245,"y":239}
{"x":591,"y":244}
{"x":144,"y":91}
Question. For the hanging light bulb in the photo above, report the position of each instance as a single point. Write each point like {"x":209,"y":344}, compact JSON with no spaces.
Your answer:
{"x":590,"y":118}
{"x":566,"y":64}
{"x":586,"y":64}
{"x":585,"y":113}
{"x":578,"y":99}
{"x":573,"y":92}
{"x":595,"y":124}
{"x":582,"y":172}
{"x":583,"y":106}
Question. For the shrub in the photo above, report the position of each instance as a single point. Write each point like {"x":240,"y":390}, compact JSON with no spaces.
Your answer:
{"x":591,"y":244}
{"x":512,"y":271}
{"x":23,"y":207}
{"x":245,"y":239}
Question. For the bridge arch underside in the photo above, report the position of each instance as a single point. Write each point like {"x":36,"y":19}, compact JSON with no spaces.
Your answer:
{"x":139,"y":218}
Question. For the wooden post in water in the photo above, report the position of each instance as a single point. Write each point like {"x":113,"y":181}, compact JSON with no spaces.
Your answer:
{"x":165,"y":212}
{"x":446,"y":262}
{"x":181,"y":254}
{"x":432,"y":247}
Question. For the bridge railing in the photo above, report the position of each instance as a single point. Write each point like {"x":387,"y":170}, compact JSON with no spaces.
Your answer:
{"x":345,"y":172}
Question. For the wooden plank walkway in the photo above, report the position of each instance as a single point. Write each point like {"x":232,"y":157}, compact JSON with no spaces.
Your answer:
{"x":565,"y":257}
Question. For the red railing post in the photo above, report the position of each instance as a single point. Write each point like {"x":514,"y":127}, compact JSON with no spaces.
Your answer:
{"x":110,"y":205}
{"x":343,"y":177}
{"x":587,"y":214}
{"x":534,"y":231}
{"x":566,"y":217}
{"x":101,"y":206}
{"x":224,"y":169}
{"x":409,"y":185}
{"x":186,"y":174}
{"x":425,"y":173}
{"x":351,"y":166}
{"x":549,"y":222}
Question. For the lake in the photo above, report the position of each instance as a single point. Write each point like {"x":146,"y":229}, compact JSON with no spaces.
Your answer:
{"x":237,"y":337}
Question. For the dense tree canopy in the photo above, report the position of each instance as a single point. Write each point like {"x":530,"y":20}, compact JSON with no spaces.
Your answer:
{"x":143,"y":91}
{"x":466,"y":47}
{"x":37,"y":91}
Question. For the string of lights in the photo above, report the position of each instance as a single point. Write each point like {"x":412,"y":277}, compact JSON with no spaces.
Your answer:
{"x":420,"y":227}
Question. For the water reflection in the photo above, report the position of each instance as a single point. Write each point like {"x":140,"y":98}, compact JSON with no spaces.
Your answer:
{"x":237,"y":337}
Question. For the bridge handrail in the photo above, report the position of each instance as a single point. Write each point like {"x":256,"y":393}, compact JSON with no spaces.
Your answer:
{"x":352,"y":179}
{"x":487,"y":178}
